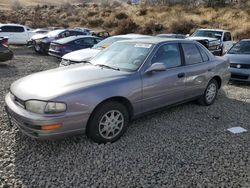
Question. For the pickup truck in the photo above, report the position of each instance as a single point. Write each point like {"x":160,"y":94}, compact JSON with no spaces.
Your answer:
{"x":17,"y":34}
{"x":216,"y":41}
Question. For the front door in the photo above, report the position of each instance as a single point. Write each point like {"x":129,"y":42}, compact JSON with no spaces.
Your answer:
{"x":162,"y":88}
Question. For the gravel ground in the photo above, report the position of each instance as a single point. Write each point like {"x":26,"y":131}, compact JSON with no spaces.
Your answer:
{"x":184,"y":146}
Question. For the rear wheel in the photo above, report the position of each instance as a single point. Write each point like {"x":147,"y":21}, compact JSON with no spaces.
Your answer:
{"x":108,"y":123}
{"x":210,"y":93}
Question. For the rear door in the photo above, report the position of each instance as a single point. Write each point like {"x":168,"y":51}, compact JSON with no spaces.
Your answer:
{"x":197,"y":69}
{"x":85,"y":43}
{"x":165,"y":87}
{"x":20,"y":34}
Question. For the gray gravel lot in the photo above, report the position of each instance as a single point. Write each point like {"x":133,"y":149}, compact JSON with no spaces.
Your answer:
{"x":184,"y":146}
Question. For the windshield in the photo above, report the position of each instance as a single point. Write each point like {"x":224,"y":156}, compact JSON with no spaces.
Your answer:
{"x":127,"y":56}
{"x":107,"y":42}
{"x":54,"y":33}
{"x":242,"y":47}
{"x":206,"y":33}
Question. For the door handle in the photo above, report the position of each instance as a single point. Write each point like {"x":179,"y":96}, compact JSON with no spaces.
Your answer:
{"x":181,"y":75}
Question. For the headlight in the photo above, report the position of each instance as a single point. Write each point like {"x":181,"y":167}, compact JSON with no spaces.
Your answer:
{"x":42,"y":107}
{"x":53,"y":107}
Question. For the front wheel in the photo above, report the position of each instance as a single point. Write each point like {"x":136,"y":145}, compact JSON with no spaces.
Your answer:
{"x":210,"y":93}
{"x":108,"y":123}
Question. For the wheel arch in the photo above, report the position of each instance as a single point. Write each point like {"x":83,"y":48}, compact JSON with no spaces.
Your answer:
{"x":218,"y":79}
{"x":119,"y":99}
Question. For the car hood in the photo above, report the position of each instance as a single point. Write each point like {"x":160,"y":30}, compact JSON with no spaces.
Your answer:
{"x":81,"y":55}
{"x":38,"y":36}
{"x":202,"y":38}
{"x":48,"y":85}
{"x":239,"y":58}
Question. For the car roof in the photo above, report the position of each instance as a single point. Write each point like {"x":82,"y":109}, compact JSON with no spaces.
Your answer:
{"x":220,"y":30}
{"x":11,"y":24}
{"x":247,"y":40}
{"x":130,"y":36}
{"x":72,"y":38}
{"x":156,"y":40}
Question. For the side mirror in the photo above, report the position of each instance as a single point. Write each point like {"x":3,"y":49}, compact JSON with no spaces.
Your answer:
{"x":156,"y":67}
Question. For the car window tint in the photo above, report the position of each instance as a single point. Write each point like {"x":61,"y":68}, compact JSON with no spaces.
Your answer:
{"x":169,"y":54}
{"x":227,"y":37}
{"x":204,"y":54}
{"x":97,"y":40}
{"x":192,"y":54}
{"x":89,"y":41}
{"x":13,"y":29}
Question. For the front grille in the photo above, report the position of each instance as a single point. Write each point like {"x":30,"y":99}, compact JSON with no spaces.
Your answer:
{"x":239,"y":76}
{"x":240,"y":66}
{"x":204,"y":43}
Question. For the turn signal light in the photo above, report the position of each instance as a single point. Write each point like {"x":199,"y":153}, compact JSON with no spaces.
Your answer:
{"x":50,"y":127}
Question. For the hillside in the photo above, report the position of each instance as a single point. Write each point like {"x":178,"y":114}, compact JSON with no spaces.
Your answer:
{"x":122,"y":18}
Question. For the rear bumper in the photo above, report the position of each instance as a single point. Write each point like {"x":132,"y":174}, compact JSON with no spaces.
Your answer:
{"x":240,"y":74}
{"x":30,"y":123}
{"x":55,"y":53}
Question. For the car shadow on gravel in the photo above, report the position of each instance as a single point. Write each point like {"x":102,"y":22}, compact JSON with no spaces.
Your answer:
{"x":240,"y":83}
{"x":7,"y":70}
{"x":183,"y":145}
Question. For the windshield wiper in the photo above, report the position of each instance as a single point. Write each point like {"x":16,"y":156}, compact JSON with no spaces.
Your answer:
{"x":107,"y":66}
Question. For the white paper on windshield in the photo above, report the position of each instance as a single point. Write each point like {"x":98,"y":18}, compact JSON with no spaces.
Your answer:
{"x":140,"y":45}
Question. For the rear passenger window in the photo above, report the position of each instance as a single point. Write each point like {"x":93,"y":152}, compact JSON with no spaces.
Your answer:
{"x":204,"y":54}
{"x":169,"y":54}
{"x":192,"y":54}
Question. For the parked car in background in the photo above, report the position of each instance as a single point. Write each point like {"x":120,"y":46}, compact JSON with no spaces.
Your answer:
{"x":102,"y":34}
{"x":41,"y":42}
{"x":84,"y":29}
{"x":80,"y":56}
{"x":215,"y":40}
{"x":17,"y":34}
{"x":239,"y":57}
{"x":40,"y":31}
{"x":123,"y":81}
{"x":5,"y":53}
{"x":177,"y":36}
{"x":60,"y":47}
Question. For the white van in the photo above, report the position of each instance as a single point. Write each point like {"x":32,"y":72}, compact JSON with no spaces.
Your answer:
{"x":17,"y":34}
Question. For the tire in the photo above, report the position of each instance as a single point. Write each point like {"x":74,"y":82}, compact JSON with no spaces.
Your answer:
{"x":102,"y":128}
{"x":206,"y":99}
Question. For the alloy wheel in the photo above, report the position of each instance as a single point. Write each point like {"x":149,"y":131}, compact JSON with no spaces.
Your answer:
{"x":111,"y":124}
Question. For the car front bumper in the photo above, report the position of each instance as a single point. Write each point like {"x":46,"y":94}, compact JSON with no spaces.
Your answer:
{"x":216,"y":52}
{"x":30,"y":123}
{"x":240,"y":74}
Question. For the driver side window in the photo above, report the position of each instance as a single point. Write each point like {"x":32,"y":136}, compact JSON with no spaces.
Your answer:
{"x":169,"y":54}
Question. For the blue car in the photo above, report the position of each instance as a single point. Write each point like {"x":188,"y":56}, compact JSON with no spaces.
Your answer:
{"x":63,"y":46}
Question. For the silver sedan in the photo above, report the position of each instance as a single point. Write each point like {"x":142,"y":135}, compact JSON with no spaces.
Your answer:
{"x":122,"y":82}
